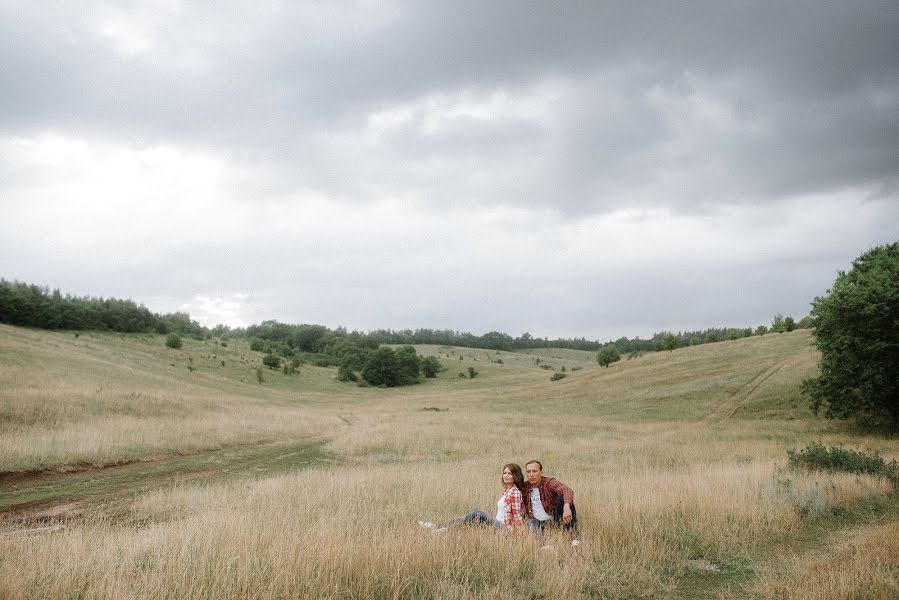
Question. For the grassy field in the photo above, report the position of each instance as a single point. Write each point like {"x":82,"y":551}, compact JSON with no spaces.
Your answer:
{"x":132,"y":470}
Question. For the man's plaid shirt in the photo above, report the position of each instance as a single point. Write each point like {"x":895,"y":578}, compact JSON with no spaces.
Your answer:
{"x":513,"y":515}
{"x":550,"y":492}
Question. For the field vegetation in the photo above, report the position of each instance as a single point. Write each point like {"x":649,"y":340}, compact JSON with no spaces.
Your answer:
{"x":129,"y":469}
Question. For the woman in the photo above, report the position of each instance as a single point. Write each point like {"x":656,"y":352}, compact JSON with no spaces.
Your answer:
{"x":509,"y":507}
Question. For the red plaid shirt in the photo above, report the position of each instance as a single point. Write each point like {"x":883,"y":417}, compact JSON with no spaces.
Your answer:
{"x":550,"y":490}
{"x":514,"y":508}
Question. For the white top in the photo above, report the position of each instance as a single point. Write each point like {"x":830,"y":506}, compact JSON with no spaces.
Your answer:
{"x":537,"y":506}
{"x":501,"y":509}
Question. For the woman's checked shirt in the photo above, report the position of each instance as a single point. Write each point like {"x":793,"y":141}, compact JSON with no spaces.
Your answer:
{"x":512,"y":508}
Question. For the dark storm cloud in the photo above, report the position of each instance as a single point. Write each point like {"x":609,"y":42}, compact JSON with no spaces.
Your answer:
{"x":566,"y":168}
{"x":810,"y":91}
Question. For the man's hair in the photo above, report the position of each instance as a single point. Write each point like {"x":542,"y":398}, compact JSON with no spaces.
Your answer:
{"x":535,"y":462}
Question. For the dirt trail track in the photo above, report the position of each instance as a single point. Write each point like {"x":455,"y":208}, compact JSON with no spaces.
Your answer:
{"x":42,"y":500}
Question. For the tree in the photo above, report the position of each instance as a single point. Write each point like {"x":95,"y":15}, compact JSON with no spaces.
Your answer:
{"x":856,"y":328}
{"x":382,"y":368}
{"x":173,"y":341}
{"x":789,"y":324}
{"x":272,"y":361}
{"x":608,"y":355}
{"x":669,"y":342}
{"x":777,"y":324}
{"x":408,"y":365}
{"x":430,"y":366}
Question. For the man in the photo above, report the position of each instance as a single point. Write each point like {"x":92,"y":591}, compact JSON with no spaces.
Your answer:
{"x":549,"y":502}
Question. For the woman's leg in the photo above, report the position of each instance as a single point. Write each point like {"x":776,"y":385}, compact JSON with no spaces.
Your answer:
{"x":475,"y":517}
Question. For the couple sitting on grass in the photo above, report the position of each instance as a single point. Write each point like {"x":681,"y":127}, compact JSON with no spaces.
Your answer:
{"x":539,"y":502}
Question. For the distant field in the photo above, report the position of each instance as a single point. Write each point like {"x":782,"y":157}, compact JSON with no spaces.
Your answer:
{"x":177,"y":476}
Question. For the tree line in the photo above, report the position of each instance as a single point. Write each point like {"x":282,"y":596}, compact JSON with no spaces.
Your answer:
{"x":29,"y":305}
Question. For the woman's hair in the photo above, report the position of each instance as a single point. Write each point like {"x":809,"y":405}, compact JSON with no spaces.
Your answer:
{"x":517,"y":477}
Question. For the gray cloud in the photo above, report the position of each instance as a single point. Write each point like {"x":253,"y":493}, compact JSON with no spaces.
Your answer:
{"x":439,"y":156}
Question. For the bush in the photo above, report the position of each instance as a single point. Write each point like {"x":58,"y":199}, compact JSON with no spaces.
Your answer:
{"x":430,"y":366}
{"x":816,"y":456}
{"x":472,"y":373}
{"x":173,"y":341}
{"x":345,"y":373}
{"x":259,"y":376}
{"x":408,"y":364}
{"x":257,"y":345}
{"x":272,"y":361}
{"x":382,"y":368}
{"x":608,"y":355}
{"x":558,"y":376}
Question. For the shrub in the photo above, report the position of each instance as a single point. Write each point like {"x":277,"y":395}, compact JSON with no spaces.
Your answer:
{"x":345,"y":373}
{"x":607,"y":355}
{"x":547,"y":367}
{"x":461,"y":375}
{"x":408,"y":365}
{"x":472,"y":373}
{"x":259,"y":376}
{"x":430,"y":366}
{"x":257,"y":345}
{"x":382,"y":368}
{"x":173,"y":341}
{"x":558,"y":376}
{"x":271,"y":361}
{"x":816,"y":456}
{"x":289,"y":369}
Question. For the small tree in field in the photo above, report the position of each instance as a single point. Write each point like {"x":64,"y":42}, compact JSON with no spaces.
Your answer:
{"x":173,"y":341}
{"x":272,"y":361}
{"x":857,"y":332}
{"x":607,"y":355}
{"x":430,"y":366}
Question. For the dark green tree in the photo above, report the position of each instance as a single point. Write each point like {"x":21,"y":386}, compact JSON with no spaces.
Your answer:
{"x":408,"y":364}
{"x":669,"y":342}
{"x":608,"y":355}
{"x":272,"y":361}
{"x":382,"y":368}
{"x":857,"y":331}
{"x":430,"y":366}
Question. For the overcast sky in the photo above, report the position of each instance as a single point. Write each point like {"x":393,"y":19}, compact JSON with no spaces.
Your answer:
{"x":587,"y":169}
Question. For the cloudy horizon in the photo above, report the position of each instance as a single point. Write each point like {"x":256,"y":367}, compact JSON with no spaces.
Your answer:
{"x":565,"y":169}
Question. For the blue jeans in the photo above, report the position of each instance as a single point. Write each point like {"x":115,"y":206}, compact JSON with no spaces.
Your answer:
{"x":475,"y":517}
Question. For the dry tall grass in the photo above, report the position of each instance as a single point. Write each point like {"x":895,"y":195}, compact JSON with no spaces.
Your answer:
{"x":661,"y":486}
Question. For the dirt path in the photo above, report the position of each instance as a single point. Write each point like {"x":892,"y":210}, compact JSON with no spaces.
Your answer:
{"x":33,"y":501}
{"x":729,"y":407}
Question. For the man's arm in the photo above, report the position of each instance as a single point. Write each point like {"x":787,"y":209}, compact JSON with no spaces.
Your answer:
{"x":559,"y":488}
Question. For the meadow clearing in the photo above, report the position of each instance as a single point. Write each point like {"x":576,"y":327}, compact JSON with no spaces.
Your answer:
{"x":132,"y":470}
